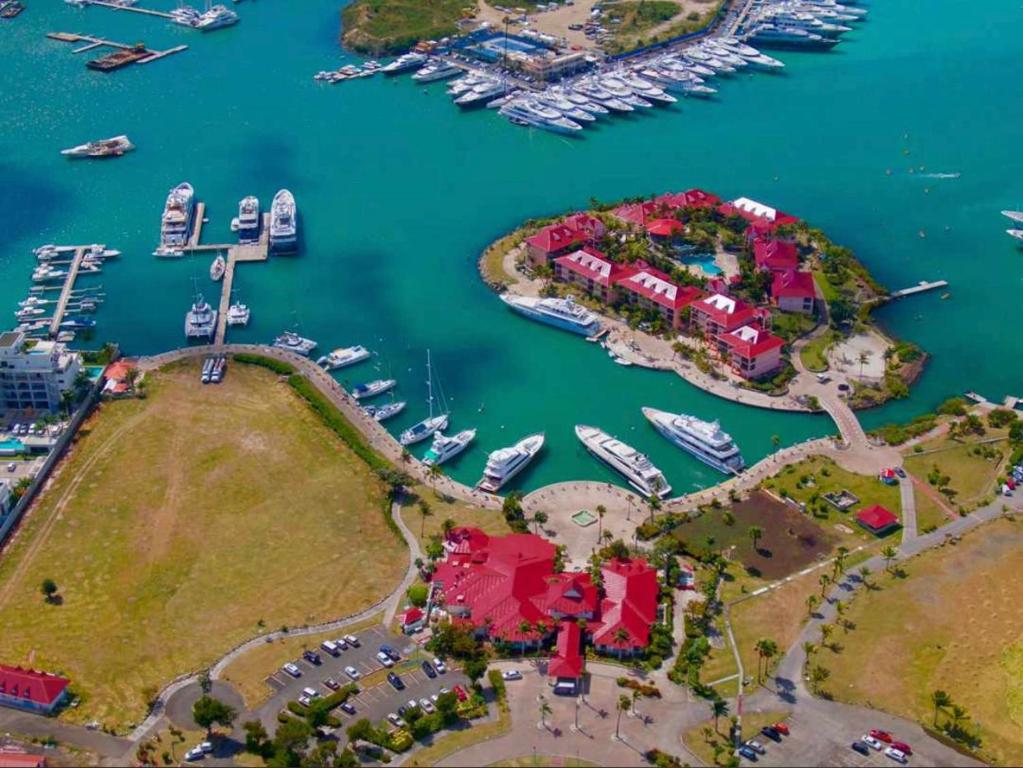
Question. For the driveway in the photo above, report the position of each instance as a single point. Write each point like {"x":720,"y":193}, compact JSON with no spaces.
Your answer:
{"x":179,"y":705}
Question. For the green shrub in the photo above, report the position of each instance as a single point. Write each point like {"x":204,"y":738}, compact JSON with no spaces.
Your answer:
{"x":277,"y":366}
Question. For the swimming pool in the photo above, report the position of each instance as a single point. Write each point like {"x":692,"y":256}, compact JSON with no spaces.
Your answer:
{"x":11,"y":447}
{"x":704,"y":261}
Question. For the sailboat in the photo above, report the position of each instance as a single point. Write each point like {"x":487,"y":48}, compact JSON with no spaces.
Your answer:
{"x":431,"y":424}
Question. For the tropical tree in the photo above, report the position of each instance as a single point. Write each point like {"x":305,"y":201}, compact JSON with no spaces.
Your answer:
{"x":889,"y":554}
{"x":601,"y":511}
{"x":433,"y":473}
{"x":205,"y":683}
{"x":545,"y":709}
{"x":718,"y":708}
{"x":755,"y":533}
{"x":49,"y":589}
{"x":539,"y":518}
{"x":406,"y":456}
{"x":447,"y":526}
{"x":811,"y":603}
{"x":863,"y":358}
{"x":621,"y":638}
{"x":864,"y":575}
{"x":940,"y":699}
{"x":766,"y":649}
{"x":818,"y":675}
{"x":623,"y":706}
{"x":825,"y":582}
{"x":809,"y":648}
{"x":208,"y":710}
{"x":653,"y":501}
{"x":424,"y":512}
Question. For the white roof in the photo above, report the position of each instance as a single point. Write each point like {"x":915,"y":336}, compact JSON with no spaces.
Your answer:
{"x":757,"y":209}
{"x":721,"y":302}
{"x":655,"y":284}
{"x":588,"y":260}
{"x":747,"y":333}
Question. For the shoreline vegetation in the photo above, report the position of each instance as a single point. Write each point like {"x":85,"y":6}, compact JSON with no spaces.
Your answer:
{"x":846,"y":294}
{"x":381,"y":27}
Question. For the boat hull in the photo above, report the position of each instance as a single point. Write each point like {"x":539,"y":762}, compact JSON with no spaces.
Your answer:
{"x":728,"y":468}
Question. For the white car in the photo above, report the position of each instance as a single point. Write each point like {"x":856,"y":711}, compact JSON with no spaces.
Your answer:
{"x":896,"y":754}
{"x":756,"y":746}
{"x":439,"y":666}
{"x":384,"y":659}
{"x":312,"y":693}
{"x":305,"y":701}
{"x":194,"y":754}
{"x":871,"y":742}
{"x":352,"y":640}
{"x":396,"y":721}
{"x":427,"y":706}
{"x":352,"y":672}
{"x":511,"y":674}
{"x":292,"y":670}
{"x":206,"y":747}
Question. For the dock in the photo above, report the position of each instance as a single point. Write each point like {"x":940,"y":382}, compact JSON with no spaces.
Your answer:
{"x":67,"y":290}
{"x":920,"y":288}
{"x":200,"y":215}
{"x":131,"y":8}
{"x":133,"y":53}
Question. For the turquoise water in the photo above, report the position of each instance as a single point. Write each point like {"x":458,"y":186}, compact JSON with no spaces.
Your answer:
{"x":399,"y":192}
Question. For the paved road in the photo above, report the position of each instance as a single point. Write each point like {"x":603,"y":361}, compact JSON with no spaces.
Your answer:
{"x":908,"y":500}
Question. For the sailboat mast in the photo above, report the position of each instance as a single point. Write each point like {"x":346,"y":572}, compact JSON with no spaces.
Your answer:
{"x":429,"y":383}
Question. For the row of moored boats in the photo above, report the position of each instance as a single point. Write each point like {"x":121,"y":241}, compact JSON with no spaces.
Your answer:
{"x":1017,"y":218}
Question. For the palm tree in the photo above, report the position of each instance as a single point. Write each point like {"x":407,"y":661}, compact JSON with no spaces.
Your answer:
{"x":755,"y":533}
{"x":433,"y":473}
{"x":601,"y":511}
{"x":864,"y":573}
{"x":811,"y":603}
{"x":767,"y":649}
{"x":623,"y":706}
{"x":825,"y":582}
{"x":838,"y":566}
{"x":863,"y":358}
{"x":424,"y":512}
{"x":958,"y":715}
{"x":539,"y":518}
{"x":889,"y":554}
{"x":826,"y":630}
{"x":653,"y":501}
{"x":818,"y":675}
{"x":405,"y":456}
{"x":940,"y":699}
{"x":718,"y":708}
{"x":545,"y":709}
{"x":635,"y":698}
{"x":809,"y":648}
{"x":621,"y":638}
{"x":447,"y":525}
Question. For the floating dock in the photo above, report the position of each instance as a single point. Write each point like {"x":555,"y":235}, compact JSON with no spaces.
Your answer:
{"x":135,"y":53}
{"x":923,"y":286}
{"x":131,"y":8}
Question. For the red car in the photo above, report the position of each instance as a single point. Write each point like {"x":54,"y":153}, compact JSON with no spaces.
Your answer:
{"x":781,"y":728}
{"x":903,"y":747}
{"x":881,"y":736}
{"x":461,"y":693}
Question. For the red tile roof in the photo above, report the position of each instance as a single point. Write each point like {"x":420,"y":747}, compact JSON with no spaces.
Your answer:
{"x":759,"y":214}
{"x":665,"y":227}
{"x":16,"y":757}
{"x":568,"y":661}
{"x":775,"y":254}
{"x":556,"y":237}
{"x":412,"y":615}
{"x":589,"y":225}
{"x":876,"y":518}
{"x":638,"y":213}
{"x":27,"y":684}
{"x":793,"y":284}
{"x":571,"y":594}
{"x":691,"y":198}
{"x":751,"y":341}
{"x":595,"y":266}
{"x":726,"y":311}
{"x":630,"y":604}
{"x":658,"y":287}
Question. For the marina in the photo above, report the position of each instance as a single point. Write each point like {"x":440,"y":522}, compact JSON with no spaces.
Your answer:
{"x":123,"y":55}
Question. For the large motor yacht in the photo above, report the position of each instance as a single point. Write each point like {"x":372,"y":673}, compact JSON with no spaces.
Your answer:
{"x":625,"y":460}
{"x":505,"y":463}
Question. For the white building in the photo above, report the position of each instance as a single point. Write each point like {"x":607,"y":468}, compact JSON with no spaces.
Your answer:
{"x":33,"y":376}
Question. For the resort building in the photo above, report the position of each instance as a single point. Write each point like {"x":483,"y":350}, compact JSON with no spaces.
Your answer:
{"x":32,"y":691}
{"x":763,"y":219}
{"x":552,"y":241}
{"x":117,"y":378}
{"x":507,"y":589}
{"x":34,"y":376}
{"x":590,"y":226}
{"x":16,"y":757}
{"x":719,"y":314}
{"x":877,"y":520}
{"x":592,"y":271}
{"x":794,"y":291}
{"x":551,"y":66}
{"x":691,"y":198}
{"x":751,"y":351}
{"x":775,"y":255}
{"x":653,"y":290}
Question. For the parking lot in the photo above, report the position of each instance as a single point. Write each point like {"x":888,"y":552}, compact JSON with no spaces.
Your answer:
{"x":375,"y":701}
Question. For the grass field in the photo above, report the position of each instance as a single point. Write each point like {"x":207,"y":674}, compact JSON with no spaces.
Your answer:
{"x":441,"y":509}
{"x":702,"y":744}
{"x":971,"y":474}
{"x":249,"y":671}
{"x":186,"y":523}
{"x":815,"y":353}
{"x":955,"y":623}
{"x":393,"y":26}
{"x":545,"y":761}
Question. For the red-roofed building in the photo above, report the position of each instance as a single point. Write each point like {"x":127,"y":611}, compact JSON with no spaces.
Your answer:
{"x":751,"y":351}
{"x":775,"y":255}
{"x":592,"y":271}
{"x":653,"y":290}
{"x":720,"y":313}
{"x":763,"y":219}
{"x":691,"y":198}
{"x":30,"y":690}
{"x":571,"y":595}
{"x":794,"y":291}
{"x":552,"y":241}
{"x":639,"y":214}
{"x":629,"y":608}
{"x":16,"y":757}
{"x":567,"y":663}
{"x":665,"y":228}
{"x":413,"y":620}
{"x":592,"y":227}
{"x":877,"y":519}
{"x":117,"y":378}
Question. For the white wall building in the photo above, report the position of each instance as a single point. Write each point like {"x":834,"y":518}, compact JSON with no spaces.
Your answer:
{"x":34,"y":376}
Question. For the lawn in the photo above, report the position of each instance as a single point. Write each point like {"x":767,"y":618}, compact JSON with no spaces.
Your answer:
{"x":954,"y":623}
{"x":446,"y":508}
{"x":791,"y":325}
{"x":704,"y":741}
{"x":544,"y":760}
{"x":394,"y":26}
{"x":972,"y":468}
{"x":184,"y":524}
{"x":249,"y":671}
{"x":814,"y":353}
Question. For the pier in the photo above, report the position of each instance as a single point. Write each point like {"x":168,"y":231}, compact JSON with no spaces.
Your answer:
{"x":920,"y":288}
{"x":67,"y":290}
{"x":142,"y":55}
{"x":131,"y":8}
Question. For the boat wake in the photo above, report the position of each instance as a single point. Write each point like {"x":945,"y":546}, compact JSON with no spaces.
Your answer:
{"x":955,"y":175}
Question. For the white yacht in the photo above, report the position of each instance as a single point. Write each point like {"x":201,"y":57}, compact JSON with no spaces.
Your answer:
{"x":621,"y":91}
{"x":201,"y":320}
{"x":178,"y":216}
{"x":404,"y":63}
{"x":342,"y":357}
{"x":438,"y":69}
{"x":248,"y":220}
{"x":1016,"y":233}
{"x":434,"y":422}
{"x":482,"y":93}
{"x":283,"y":223}
{"x":113,"y":147}
{"x":806,"y":21}
{"x":292,"y":342}
{"x":505,"y":463}
{"x":703,"y":439}
{"x":216,"y":17}
{"x":383,"y":412}
{"x":444,"y":448}
{"x":372,"y":388}
{"x":624,"y":459}
{"x":774,"y":36}
{"x":1014,"y":215}
{"x":525,"y":111}
{"x":238,"y":315}
{"x":582,"y":101}
{"x":185,"y":15}
{"x":217,"y":269}
{"x":597,"y":93}
{"x":561,"y":313}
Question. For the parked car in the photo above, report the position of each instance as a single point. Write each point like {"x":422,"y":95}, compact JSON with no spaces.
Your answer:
{"x":511,"y":674}
{"x":881,"y":735}
{"x":311,"y":656}
{"x":312,"y":693}
{"x":781,"y":728}
{"x":393,"y":654}
{"x":330,"y":647}
{"x":903,"y":747}
{"x":331,"y":683}
{"x":871,"y":742}
{"x":861,"y":747}
{"x":439,"y":666}
{"x":344,"y":706}
{"x":194,"y":754}
{"x":900,"y":472}
{"x":11,"y":467}
{"x":461,"y":693}
{"x":395,"y":681}
{"x":748,"y":753}
{"x":384,"y":659}
{"x":756,"y":746}
{"x":897,"y":755}
{"x":396,"y":721}
{"x":304,"y":700}
{"x":771,"y":733}
{"x":352,"y":640}
{"x":429,"y":670}
{"x":206,"y":747}
{"x":427,"y":706}
{"x":352,"y":672}
{"x":292,"y":669}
